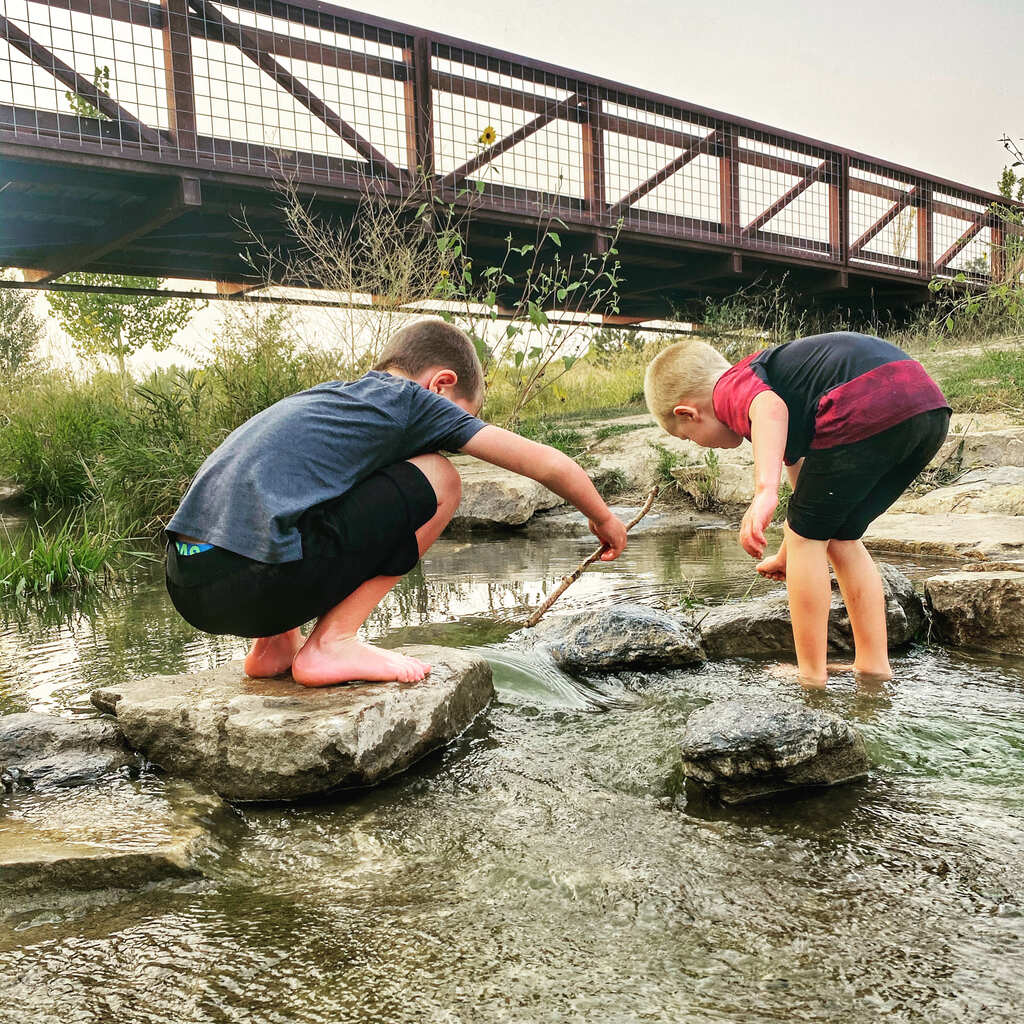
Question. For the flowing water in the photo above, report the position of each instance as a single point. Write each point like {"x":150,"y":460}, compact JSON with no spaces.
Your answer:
{"x":546,"y":868}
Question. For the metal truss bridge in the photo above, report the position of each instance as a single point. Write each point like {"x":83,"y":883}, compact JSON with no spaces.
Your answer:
{"x":135,"y":136}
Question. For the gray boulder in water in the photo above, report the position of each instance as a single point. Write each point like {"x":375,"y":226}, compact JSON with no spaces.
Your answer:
{"x":755,"y":747}
{"x":272,"y":739}
{"x":624,"y":636}
{"x":45,"y":750}
{"x":762,"y":626}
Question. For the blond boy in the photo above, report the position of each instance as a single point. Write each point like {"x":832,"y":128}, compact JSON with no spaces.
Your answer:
{"x":854,"y":419}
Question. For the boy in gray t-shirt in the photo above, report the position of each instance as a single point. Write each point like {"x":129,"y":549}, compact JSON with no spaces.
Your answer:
{"x":315,"y":507}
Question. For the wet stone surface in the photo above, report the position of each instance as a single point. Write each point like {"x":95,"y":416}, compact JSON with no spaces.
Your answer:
{"x":46,"y":750}
{"x":762,"y":626}
{"x":625,"y":636}
{"x":272,"y":739}
{"x":979,"y":609}
{"x":118,"y":834}
{"x":753,"y":748}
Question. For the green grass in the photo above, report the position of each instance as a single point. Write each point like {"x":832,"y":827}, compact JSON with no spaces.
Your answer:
{"x":992,"y":381}
{"x":48,"y":559}
{"x":667,"y":461}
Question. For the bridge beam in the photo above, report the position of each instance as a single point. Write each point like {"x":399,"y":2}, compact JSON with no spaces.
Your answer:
{"x":728,"y":265}
{"x":78,"y":84}
{"x":243,"y":40}
{"x":181,"y":197}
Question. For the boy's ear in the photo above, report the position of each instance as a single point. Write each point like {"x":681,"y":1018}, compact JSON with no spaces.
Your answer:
{"x":686,"y":412}
{"x":444,"y":378}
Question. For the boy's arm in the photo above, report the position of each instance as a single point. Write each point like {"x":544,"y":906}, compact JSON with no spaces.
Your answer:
{"x":769,"y":427}
{"x":555,"y":471}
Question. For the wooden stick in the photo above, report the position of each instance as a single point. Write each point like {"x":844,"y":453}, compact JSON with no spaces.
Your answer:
{"x":589,"y":560}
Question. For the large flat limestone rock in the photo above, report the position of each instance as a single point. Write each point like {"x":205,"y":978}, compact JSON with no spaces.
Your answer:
{"x":999,"y":490}
{"x":496,"y":497}
{"x":271,"y":739}
{"x":762,"y":626}
{"x":984,"y":610}
{"x":975,"y":535}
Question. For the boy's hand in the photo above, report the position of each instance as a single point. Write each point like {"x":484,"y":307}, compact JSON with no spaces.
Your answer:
{"x":612,"y":534}
{"x":756,"y":520}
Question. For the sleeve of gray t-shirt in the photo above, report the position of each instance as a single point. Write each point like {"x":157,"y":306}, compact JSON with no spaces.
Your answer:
{"x":439,"y":424}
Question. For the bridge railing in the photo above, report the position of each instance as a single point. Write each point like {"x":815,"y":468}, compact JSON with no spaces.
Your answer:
{"x":332,"y":98}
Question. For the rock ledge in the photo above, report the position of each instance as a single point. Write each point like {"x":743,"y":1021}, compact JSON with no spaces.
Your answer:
{"x":271,"y":739}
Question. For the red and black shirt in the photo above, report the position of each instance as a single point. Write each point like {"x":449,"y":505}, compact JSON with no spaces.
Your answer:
{"x":839,"y":388}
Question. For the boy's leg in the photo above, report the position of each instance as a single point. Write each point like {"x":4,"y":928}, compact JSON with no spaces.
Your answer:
{"x":810,"y":594}
{"x":861,"y":587}
{"x":333,"y":653}
{"x":273,"y":655}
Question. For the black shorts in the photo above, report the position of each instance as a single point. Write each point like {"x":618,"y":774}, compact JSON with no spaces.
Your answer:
{"x":369,"y":531}
{"x":841,"y":490}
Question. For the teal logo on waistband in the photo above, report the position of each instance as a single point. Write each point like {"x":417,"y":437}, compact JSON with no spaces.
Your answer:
{"x":186,"y":548}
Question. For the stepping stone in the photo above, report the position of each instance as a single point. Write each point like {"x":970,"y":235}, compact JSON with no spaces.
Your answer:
{"x":762,"y":626}
{"x":979,"y":609}
{"x":272,"y":739}
{"x":47,"y":750}
{"x":624,"y":636}
{"x":757,"y":747}
{"x":117,"y":834}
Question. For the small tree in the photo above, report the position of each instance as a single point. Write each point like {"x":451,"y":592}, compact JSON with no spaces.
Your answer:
{"x":117,"y":326}
{"x":20,"y":332}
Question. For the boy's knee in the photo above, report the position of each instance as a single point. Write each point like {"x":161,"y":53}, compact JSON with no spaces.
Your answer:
{"x":442,"y":476}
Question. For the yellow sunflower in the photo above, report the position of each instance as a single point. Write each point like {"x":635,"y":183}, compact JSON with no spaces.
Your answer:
{"x":488,"y":136}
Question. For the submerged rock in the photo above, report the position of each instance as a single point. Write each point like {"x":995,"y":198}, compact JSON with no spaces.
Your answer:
{"x":39,"y":750}
{"x":756,"y":747}
{"x":624,"y":636}
{"x":271,"y":739}
{"x":118,"y":834}
{"x":979,"y":609}
{"x":762,"y":626}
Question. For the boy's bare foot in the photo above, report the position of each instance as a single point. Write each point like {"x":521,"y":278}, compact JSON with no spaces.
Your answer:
{"x":273,"y":655}
{"x":347,"y":660}
{"x":774,"y":566}
{"x":783,"y":670}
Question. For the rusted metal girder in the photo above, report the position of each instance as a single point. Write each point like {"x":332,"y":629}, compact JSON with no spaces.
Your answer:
{"x":81,"y":86}
{"x":244,"y":40}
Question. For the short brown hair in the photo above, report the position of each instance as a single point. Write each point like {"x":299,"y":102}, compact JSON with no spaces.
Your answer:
{"x":428,"y":343}
{"x":682,"y":373}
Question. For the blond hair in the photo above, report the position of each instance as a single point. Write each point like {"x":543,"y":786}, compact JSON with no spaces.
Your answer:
{"x":684,"y":372}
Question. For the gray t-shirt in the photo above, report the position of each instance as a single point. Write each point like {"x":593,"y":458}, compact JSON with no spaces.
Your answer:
{"x":307,"y":449}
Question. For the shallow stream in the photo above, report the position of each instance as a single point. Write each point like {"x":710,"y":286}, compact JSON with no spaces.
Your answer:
{"x":539,"y":870}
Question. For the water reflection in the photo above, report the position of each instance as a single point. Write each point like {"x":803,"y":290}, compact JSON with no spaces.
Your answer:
{"x":532,"y":872}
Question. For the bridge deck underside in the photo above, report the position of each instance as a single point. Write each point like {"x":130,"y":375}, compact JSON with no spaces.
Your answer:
{"x":150,"y":139}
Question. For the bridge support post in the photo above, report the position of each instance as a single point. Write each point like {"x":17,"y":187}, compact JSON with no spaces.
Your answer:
{"x":839,"y":210}
{"x":729,"y":184}
{"x":419,"y":112}
{"x":592,"y":134}
{"x":997,"y":255}
{"x":181,"y":105}
{"x":925,"y":235}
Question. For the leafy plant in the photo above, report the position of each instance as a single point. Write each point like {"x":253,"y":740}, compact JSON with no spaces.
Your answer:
{"x":20,"y":334}
{"x":73,"y":556}
{"x":116,"y":326}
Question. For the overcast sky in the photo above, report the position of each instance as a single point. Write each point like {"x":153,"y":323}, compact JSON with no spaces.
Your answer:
{"x":928,"y":85}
